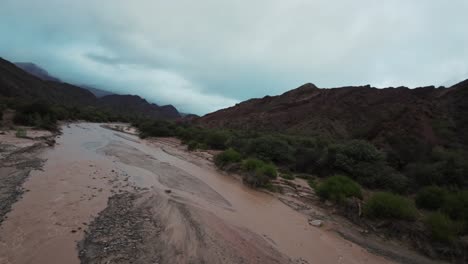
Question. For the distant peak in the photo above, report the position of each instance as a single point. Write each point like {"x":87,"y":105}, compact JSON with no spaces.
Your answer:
{"x":307,"y":86}
{"x":302,"y":89}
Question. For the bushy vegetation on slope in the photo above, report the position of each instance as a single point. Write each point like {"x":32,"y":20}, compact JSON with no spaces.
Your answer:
{"x":437,"y":180}
{"x":45,"y":115}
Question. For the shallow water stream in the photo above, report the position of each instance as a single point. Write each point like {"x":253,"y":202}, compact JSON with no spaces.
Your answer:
{"x":206,"y":216}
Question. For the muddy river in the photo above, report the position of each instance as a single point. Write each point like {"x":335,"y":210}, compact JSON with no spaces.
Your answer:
{"x":104,"y":196}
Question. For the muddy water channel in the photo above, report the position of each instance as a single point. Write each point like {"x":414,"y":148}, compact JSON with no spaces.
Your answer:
{"x":107,"y":197}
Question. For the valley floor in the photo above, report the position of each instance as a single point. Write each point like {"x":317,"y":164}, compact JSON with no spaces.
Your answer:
{"x":103,"y":196}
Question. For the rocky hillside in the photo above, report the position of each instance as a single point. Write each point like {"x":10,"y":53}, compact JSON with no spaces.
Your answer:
{"x":42,"y":74}
{"x":15,"y":82}
{"x":18,"y":83}
{"x":405,"y":120}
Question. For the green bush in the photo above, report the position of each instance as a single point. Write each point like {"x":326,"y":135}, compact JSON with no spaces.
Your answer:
{"x":446,"y":167}
{"x":217,"y":139}
{"x":226,"y":157}
{"x":312,"y":183}
{"x":268,"y":170}
{"x":287,"y":176}
{"x":337,"y":188}
{"x":456,"y":205}
{"x":390,"y":206}
{"x":441,"y":227}
{"x":431,"y":197}
{"x":258,"y":173}
{"x":356,"y":151}
{"x":21,"y":133}
{"x":192,"y":145}
{"x":270,"y":148}
{"x":251,"y":164}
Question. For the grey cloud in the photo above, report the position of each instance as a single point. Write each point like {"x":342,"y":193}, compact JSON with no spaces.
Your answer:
{"x":204,"y":55}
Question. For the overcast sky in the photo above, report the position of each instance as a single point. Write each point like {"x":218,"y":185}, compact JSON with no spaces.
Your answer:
{"x":209,"y":54}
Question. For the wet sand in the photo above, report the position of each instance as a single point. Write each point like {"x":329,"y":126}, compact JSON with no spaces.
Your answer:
{"x":140,"y":202}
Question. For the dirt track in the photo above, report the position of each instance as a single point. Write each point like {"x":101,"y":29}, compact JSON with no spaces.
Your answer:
{"x":108,"y":197}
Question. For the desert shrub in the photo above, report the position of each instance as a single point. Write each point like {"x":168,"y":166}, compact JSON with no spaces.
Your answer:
{"x":156,"y":129}
{"x":192,"y":145}
{"x":251,"y":164}
{"x":312,"y":183}
{"x":447,"y":167}
{"x":21,"y":133}
{"x":390,"y":206}
{"x":424,"y":174}
{"x":356,"y":151}
{"x":395,"y":182}
{"x":226,"y":157}
{"x":217,"y":139}
{"x":37,"y":114}
{"x":258,"y":173}
{"x":307,"y":159}
{"x":287,"y":176}
{"x":367,"y":173}
{"x":456,"y":205}
{"x":255,"y":180}
{"x":441,"y":227}
{"x":337,"y":188}
{"x":431,"y":197}
{"x":268,"y":170}
{"x":270,"y":148}
{"x":363,"y":162}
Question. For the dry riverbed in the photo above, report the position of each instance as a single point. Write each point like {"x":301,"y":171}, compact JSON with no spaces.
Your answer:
{"x":104,"y":196}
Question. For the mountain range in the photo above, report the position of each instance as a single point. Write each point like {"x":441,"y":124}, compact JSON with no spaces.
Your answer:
{"x":29,"y":81}
{"x":401,"y":120}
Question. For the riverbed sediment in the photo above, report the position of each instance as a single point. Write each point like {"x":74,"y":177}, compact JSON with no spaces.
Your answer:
{"x":106,"y":197}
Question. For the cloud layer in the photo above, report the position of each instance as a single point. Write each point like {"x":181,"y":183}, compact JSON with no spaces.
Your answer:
{"x":205,"y":55}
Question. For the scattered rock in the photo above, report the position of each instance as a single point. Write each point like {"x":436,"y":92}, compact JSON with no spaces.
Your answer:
{"x":317,"y":223}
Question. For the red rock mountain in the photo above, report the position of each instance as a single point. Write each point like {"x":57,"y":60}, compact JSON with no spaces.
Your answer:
{"x":398,"y":117}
